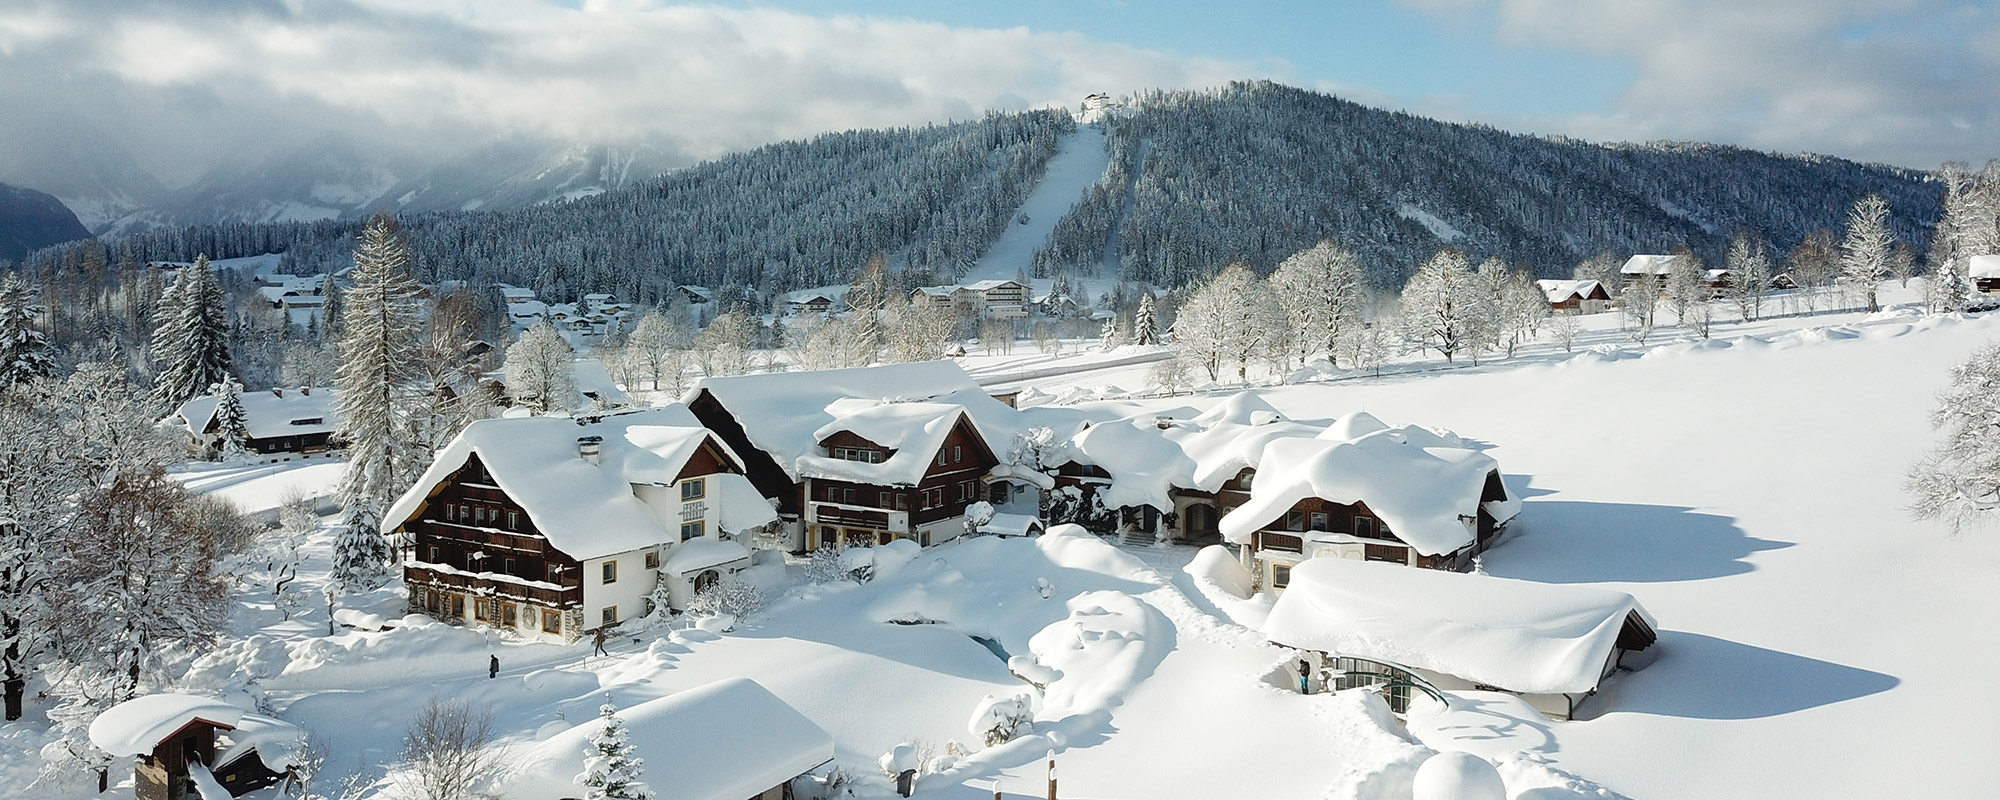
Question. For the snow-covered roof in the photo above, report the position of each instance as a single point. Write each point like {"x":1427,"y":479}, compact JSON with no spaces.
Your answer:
{"x":271,"y":413}
{"x":703,"y":552}
{"x":141,"y":723}
{"x":936,"y":291}
{"x":1149,"y":455}
{"x":783,"y":413}
{"x":277,"y":743}
{"x":1647,"y":265}
{"x":914,"y":431}
{"x":1517,"y":635}
{"x":1559,"y":291}
{"x":1983,"y":266}
{"x":986,"y":285}
{"x":1012,"y":524}
{"x":698,"y":291}
{"x":589,"y":510}
{"x":1423,"y":485}
{"x":593,"y":380}
{"x":723,"y":741}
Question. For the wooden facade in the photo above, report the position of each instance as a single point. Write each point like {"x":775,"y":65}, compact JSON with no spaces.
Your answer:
{"x":849,"y":512}
{"x":771,"y":480}
{"x":474,"y":554}
{"x":1289,"y":539}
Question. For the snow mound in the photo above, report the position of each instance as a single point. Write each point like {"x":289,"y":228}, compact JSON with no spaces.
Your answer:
{"x":1216,"y":565}
{"x":1457,"y":776}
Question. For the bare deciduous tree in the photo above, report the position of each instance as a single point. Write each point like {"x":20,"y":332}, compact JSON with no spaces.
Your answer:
{"x":446,"y":750}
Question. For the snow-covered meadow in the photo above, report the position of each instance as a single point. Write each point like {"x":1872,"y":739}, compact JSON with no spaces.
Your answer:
{"x":1746,"y":489}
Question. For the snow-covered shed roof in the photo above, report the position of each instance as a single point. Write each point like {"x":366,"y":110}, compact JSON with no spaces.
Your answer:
{"x":702,"y":292}
{"x":1012,"y":525}
{"x":945,"y":291}
{"x":141,"y":723}
{"x":594,"y":381}
{"x":1518,"y":635}
{"x":277,"y":743}
{"x":1421,"y":484}
{"x":589,"y":510}
{"x":783,"y":412}
{"x":1647,"y":265}
{"x":913,"y":430}
{"x":703,"y":552}
{"x":727,"y":740}
{"x":1983,"y":266}
{"x":512,"y":293}
{"x":271,"y":413}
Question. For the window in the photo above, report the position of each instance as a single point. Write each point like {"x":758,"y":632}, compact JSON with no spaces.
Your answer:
{"x":472,"y":562}
{"x":433,"y":557}
{"x":1281,"y":575}
{"x":610,"y":572}
{"x":465,"y":513}
{"x":507,"y":565}
{"x":652,"y":560}
{"x":1364,"y":527}
{"x":1295,"y":520}
{"x":690,"y":530}
{"x":1318,"y":521}
{"x":828,"y":536}
{"x":450,"y":513}
{"x":902,"y":501}
{"x":551,"y":621}
{"x":513,"y":520}
{"x":957,"y":454}
{"x":847,"y":496}
{"x":694,"y":489}
{"x":482,"y":609}
{"x":509,"y":615}
{"x":940,"y":457}
{"x":882,"y":500}
{"x":555,"y":573}
{"x":832,"y":494}
{"x":609,"y":614}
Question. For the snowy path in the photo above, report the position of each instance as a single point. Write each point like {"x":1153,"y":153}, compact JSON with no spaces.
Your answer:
{"x":1005,"y":378}
{"x":1079,"y":162}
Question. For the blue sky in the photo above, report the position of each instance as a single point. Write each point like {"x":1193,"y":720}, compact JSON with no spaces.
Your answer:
{"x":1908,"y":82}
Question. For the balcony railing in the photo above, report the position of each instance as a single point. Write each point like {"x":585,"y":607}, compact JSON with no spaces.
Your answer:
{"x":562,"y":598}
{"x":837,"y":514}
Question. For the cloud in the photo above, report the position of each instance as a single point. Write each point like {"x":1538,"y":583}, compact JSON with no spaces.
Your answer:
{"x":1903,"y":81}
{"x":186,"y":84}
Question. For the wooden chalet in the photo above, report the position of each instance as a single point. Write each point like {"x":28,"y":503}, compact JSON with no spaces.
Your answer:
{"x":281,"y":422}
{"x":1400,"y":495}
{"x":173,"y":739}
{"x":1984,"y":273}
{"x":808,"y":303}
{"x":552,"y":527}
{"x":774,"y":421}
{"x":1576,"y":297}
{"x":894,"y":471}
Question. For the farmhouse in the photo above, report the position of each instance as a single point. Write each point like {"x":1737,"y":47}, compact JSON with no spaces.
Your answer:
{"x":553,"y":527}
{"x":1553,"y":645}
{"x":174,"y":737}
{"x":728,"y":740}
{"x":1640,"y":267}
{"x":1364,"y":491}
{"x":887,"y":471}
{"x":282,"y":422}
{"x":807,"y":301}
{"x":1575,"y":297}
{"x":775,"y":421}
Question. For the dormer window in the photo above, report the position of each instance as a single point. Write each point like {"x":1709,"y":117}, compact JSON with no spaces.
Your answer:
{"x":862,"y":454}
{"x":310,"y":421}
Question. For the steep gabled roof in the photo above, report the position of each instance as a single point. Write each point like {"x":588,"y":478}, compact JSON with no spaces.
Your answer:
{"x":589,"y":510}
{"x":914,"y":431}
{"x":1647,"y":265}
{"x":271,"y":413}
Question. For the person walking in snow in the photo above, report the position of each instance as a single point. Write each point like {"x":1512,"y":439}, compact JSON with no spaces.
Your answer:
{"x":1305,"y":675}
{"x":492,"y":666}
{"x":598,"y":642}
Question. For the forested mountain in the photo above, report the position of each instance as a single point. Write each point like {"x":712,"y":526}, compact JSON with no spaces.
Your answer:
{"x":31,"y":220}
{"x":1252,"y":172}
{"x":1258,"y":171}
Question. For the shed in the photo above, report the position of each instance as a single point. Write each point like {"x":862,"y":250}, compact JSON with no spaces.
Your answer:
{"x":1551,"y":644}
{"x":173,"y":737}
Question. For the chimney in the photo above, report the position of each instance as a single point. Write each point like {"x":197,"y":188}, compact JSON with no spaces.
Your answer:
{"x":588,"y":447}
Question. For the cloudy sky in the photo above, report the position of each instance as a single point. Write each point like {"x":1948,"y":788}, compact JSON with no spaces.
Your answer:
{"x":183,"y":85}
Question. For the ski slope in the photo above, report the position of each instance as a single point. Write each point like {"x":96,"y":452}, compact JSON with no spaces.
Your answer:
{"x":1079,"y":162}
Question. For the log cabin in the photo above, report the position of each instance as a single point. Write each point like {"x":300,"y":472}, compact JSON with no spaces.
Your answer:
{"x":553,"y":527}
{"x":1575,"y":297}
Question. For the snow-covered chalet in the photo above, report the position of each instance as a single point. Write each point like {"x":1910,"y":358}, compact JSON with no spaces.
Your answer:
{"x":869,"y":454}
{"x":280,"y":421}
{"x":554,"y":527}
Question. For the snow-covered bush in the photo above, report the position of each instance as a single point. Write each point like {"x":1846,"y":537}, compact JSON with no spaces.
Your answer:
{"x":824,"y":566}
{"x":729,"y":596}
{"x":977,"y":514}
{"x":997,"y":720}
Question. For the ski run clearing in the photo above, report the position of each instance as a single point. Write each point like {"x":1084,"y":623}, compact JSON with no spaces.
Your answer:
{"x":1747,"y":491}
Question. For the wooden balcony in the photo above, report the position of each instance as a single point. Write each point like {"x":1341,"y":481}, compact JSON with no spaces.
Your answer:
{"x":514,"y":541}
{"x":836,"y":514}
{"x":1283,"y":542}
{"x":417,"y":576}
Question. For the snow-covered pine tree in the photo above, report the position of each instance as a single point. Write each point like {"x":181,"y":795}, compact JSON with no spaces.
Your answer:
{"x":1865,"y":250}
{"x":541,"y":370}
{"x":1145,"y":329}
{"x":1958,"y":481}
{"x":380,"y":366}
{"x":612,"y":768}
{"x":332,"y":311}
{"x":1971,"y":204}
{"x":24,"y":350}
{"x":360,"y":551}
{"x":232,"y":425}
{"x":37,"y":503}
{"x":196,"y":338}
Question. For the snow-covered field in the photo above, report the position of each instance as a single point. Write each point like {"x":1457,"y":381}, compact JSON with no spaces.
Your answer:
{"x":1814,"y":641}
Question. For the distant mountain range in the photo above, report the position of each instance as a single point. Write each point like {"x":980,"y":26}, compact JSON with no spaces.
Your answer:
{"x":332,"y":179}
{"x":1250,"y":172}
{"x":31,"y":220}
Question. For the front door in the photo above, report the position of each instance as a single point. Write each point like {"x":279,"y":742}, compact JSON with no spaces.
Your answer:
{"x":1200,"y":523}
